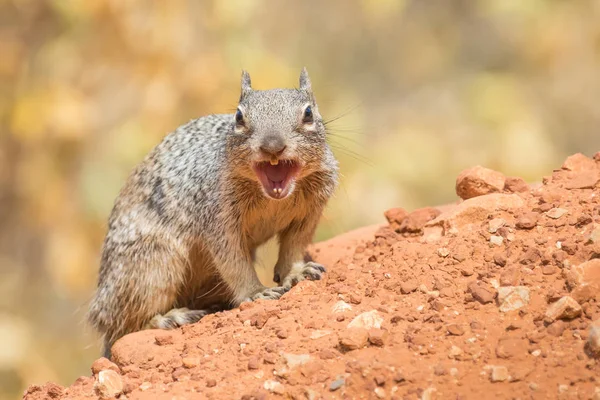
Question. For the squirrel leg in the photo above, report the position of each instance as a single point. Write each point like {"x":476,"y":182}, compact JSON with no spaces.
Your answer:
{"x":235,"y":266}
{"x":291,"y":268}
{"x":123,"y":305}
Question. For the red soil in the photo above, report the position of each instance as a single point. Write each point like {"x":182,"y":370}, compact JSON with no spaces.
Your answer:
{"x":492,"y":297}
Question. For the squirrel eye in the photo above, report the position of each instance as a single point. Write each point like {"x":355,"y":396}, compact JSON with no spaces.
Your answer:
{"x":308,"y":114}
{"x":239,"y":117}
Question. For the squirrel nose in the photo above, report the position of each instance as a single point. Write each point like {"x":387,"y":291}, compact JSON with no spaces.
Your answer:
{"x":273,"y":146}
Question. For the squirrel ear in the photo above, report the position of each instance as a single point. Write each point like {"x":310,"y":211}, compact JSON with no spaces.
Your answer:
{"x":305,"y":80}
{"x":246,"y":83}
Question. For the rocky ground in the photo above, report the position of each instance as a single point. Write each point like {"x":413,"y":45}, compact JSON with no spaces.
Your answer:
{"x":492,"y":297}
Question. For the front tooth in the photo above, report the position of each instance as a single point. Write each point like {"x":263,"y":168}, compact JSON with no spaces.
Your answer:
{"x":274,"y":161}
{"x":274,"y":190}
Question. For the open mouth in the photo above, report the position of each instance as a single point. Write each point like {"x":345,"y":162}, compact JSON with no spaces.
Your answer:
{"x":277,"y":176}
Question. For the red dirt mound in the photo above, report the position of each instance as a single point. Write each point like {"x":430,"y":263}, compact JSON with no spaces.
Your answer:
{"x":494,"y":297}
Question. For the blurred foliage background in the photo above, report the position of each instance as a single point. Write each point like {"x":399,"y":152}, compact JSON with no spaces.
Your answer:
{"x":423,"y":89}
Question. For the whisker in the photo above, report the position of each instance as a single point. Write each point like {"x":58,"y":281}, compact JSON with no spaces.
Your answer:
{"x":345,"y":138}
{"x":353,"y":155}
{"x":343,"y":114}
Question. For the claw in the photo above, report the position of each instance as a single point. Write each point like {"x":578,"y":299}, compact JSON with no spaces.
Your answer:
{"x":311,"y":271}
{"x":178,"y":317}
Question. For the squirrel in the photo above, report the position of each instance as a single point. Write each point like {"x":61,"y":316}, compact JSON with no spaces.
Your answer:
{"x":184,"y":229}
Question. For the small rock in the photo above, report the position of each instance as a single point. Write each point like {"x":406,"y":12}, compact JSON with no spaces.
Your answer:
{"x":499,"y":373}
{"x":557,"y":328}
{"x":467,"y":270}
{"x":327,"y":354}
{"x":416,"y":220}
{"x":590,"y":271}
{"x":399,"y":377}
{"x":439,"y":370}
{"x":367,"y":320}
{"x":563,"y":389}
{"x":190,"y":361}
{"x":163,"y":339}
{"x":104,"y":363}
{"x":294,"y":360}
{"x":585,"y":292}
{"x":270,"y":358}
{"x":510,"y":277}
{"x":444,"y":292}
{"x":455,"y":329}
{"x":455,"y":352}
{"x":274,"y":387}
{"x":531,"y":256}
{"x":338,"y":383}
{"x":511,"y":347}
{"x":282,"y":333}
{"x":527,"y":221}
{"x":569,"y":246}
{"x":579,"y":163}
{"x":556,"y":213}
{"x":428,"y":394}
{"x":583,"y":180}
{"x":565,"y":308}
{"x":478,"y":181}
{"x":496,"y":240}
{"x":443,"y":252}
{"x":474,"y":210}
{"x":211,"y":382}
{"x":109,"y":384}
{"x":340,"y":307}
{"x":482,"y":293}
{"x":378,"y":337}
{"x":500,"y":259}
{"x":317,"y":334}
{"x":515,"y":185}
{"x":549,"y":269}
{"x":594,"y":236}
{"x":180,"y":375}
{"x":476,"y":325}
{"x":355,"y":299}
{"x":408,"y":286}
{"x":253,"y":363}
{"x":354,"y":338}
{"x":379,"y":392}
{"x":145,"y":386}
{"x":592,"y":346}
{"x":512,"y":298}
{"x":395,"y":216}
{"x":495,"y":224}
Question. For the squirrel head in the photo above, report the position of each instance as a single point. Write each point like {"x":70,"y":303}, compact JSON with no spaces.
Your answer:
{"x":278,"y":136}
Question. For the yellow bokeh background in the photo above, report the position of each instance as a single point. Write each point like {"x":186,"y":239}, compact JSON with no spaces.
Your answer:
{"x":422,"y":90}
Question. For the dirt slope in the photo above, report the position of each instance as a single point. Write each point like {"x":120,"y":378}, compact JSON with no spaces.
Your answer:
{"x":494,"y":297}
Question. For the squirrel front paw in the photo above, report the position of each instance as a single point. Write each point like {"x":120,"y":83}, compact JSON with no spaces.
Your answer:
{"x":178,"y":317}
{"x":270,"y":293}
{"x":311,"y":271}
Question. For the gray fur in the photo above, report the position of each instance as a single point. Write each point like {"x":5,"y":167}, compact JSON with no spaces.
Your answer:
{"x":185,"y":227}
